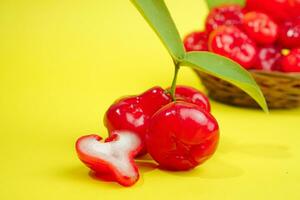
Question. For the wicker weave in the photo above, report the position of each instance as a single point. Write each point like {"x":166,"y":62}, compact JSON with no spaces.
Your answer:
{"x":282,"y":90}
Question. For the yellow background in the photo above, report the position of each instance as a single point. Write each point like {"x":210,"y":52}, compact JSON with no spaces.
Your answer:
{"x":63,"y":62}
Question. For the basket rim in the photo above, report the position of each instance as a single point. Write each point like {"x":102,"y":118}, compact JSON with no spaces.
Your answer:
{"x":295,"y":75}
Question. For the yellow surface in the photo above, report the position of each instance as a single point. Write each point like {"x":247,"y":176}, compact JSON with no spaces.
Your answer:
{"x":64,"y":62}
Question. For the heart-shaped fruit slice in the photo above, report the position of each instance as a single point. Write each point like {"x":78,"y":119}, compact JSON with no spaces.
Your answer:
{"x":112,"y":158}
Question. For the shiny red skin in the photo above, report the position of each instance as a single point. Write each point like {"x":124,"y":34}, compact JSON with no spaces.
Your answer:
{"x":294,"y":8}
{"x":260,"y":28}
{"x":231,"y":42}
{"x":268,"y":58}
{"x":289,"y":34}
{"x":224,"y":15}
{"x":182,"y":136}
{"x":291,"y":62}
{"x":134,"y":113}
{"x":103,"y":169}
{"x":127,"y":114}
{"x":192,"y":95}
{"x":153,"y":99}
{"x":196,"y":41}
{"x":279,"y":10}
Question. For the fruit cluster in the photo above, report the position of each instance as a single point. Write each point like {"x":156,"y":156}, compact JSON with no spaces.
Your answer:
{"x":179,"y":134}
{"x":264,"y":35}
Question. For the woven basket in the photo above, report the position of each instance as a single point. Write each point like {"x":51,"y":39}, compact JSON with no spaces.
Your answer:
{"x":281,"y":90}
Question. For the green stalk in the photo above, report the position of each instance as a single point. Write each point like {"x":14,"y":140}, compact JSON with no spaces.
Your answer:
{"x":173,"y":86}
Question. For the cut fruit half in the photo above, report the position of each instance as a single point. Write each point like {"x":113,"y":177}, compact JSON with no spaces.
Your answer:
{"x":113,"y":158}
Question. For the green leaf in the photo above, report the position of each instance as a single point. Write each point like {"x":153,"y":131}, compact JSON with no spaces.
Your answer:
{"x":158,"y":17}
{"x":227,"y":70}
{"x":213,"y":3}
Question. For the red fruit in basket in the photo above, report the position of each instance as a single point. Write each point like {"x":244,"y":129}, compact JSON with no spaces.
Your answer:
{"x":289,"y":34}
{"x":279,"y":10}
{"x":268,"y":58}
{"x":224,"y":15}
{"x":134,"y":113}
{"x":112,"y":159}
{"x":196,"y":41}
{"x":231,"y":42}
{"x":294,"y":8}
{"x":260,"y":27}
{"x":291,"y":62}
{"x":181,"y":136}
{"x":192,"y":95}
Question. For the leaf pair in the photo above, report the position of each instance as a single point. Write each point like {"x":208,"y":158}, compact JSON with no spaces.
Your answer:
{"x":158,"y":17}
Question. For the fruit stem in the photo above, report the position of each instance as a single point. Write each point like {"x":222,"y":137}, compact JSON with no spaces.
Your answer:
{"x":173,"y":86}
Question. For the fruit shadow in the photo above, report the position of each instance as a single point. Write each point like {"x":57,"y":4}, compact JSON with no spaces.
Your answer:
{"x":214,"y":168}
{"x":82,"y":174}
{"x":229,"y":108}
{"x":144,"y":165}
{"x":260,"y":150}
{"x":290,"y":112}
{"x":217,"y":168}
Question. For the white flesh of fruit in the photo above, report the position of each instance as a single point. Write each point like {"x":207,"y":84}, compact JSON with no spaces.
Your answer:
{"x":115,"y":152}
